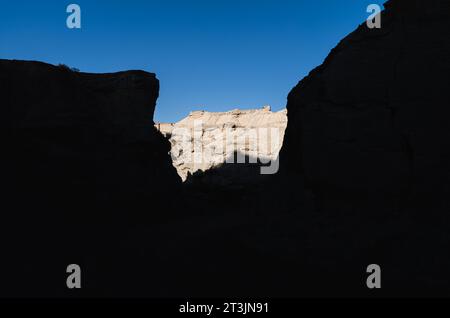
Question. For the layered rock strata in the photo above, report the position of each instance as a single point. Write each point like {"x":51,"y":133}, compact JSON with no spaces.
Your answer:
{"x":207,"y":140}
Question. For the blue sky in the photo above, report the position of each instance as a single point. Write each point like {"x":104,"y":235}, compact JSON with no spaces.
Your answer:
{"x":213,"y":55}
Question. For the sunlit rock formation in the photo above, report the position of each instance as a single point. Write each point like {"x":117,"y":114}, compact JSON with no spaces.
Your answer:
{"x":206,"y":140}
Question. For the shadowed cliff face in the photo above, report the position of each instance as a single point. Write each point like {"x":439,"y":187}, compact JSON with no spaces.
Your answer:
{"x":369,"y":137}
{"x":372,"y":120}
{"x":75,"y":133}
{"x":82,"y":163}
{"x":364,"y":179}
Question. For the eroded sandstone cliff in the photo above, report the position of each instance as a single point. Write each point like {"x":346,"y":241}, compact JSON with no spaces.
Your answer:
{"x":206,"y":140}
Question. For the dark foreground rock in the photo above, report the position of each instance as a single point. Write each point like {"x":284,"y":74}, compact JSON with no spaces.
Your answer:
{"x":81,"y":165}
{"x":373,"y":119}
{"x":364,"y":179}
{"x":369,"y":137}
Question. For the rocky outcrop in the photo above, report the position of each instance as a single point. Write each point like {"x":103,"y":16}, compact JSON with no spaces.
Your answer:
{"x":206,"y":140}
{"x":372,"y":119}
{"x":369,"y":138}
{"x":81,"y":160}
{"x":83,"y":132}
{"x":364,"y":180}
{"x":165,"y":129}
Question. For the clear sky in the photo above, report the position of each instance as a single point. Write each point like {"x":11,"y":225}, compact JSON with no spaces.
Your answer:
{"x":213,"y":55}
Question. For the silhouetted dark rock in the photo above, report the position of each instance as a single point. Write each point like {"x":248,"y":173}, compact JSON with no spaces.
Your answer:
{"x":364,"y":179}
{"x":369,"y":135}
{"x":372,"y":119}
{"x":76,"y":132}
{"x":239,"y":172}
{"x":82,"y":163}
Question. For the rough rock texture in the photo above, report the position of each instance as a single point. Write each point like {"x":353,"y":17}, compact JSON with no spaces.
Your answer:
{"x":81,"y":156}
{"x":165,"y":129}
{"x":369,"y":136}
{"x":373,"y":118}
{"x":86,"y":130}
{"x":206,"y":140}
{"x":364,"y":180}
